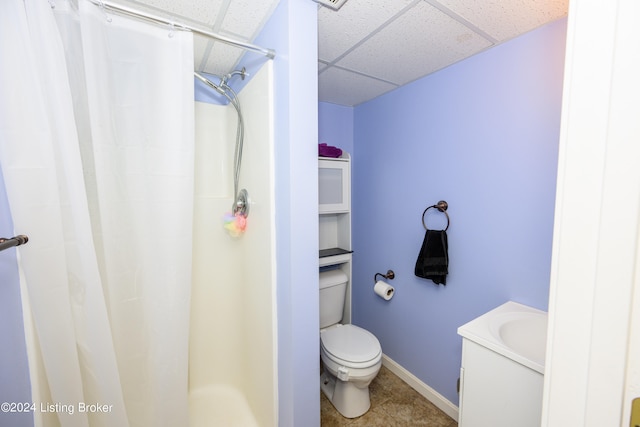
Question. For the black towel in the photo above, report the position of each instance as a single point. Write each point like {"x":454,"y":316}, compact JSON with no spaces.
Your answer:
{"x":433,"y":260}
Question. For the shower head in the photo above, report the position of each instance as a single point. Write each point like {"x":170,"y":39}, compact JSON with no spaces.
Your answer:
{"x":210,"y":83}
{"x":331,"y":4}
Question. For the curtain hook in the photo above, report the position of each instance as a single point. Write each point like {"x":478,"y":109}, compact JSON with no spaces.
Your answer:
{"x":172,"y":29}
{"x":52,"y":4}
{"x":103,"y":7}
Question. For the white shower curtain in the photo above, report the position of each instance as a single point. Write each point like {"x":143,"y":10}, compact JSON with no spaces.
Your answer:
{"x":96,"y":148}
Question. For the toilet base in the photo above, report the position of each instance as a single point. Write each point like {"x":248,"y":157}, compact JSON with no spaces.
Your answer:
{"x":349,"y":400}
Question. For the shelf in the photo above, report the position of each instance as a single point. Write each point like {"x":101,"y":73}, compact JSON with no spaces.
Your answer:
{"x":335,"y":260}
{"x":334,"y":256}
{"x":333,"y":252}
{"x":345,"y":158}
{"x":334,"y":212}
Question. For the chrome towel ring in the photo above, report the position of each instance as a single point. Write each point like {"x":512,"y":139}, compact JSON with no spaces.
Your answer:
{"x":442,"y":207}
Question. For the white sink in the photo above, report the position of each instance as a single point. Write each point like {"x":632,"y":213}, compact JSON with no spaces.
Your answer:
{"x":523,"y":332}
{"x":514,"y":330}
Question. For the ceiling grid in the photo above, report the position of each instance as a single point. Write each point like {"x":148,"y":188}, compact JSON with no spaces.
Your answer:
{"x":368,"y":47}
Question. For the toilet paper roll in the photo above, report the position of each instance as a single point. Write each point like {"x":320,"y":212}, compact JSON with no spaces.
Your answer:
{"x":384,"y":290}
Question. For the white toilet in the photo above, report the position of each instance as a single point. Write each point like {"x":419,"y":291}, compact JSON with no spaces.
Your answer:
{"x":351,"y":356}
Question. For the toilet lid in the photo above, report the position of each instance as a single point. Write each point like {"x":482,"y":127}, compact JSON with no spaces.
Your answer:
{"x":350,"y":343}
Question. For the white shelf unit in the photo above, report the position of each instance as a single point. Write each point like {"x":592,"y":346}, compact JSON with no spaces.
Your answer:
{"x":334,"y":206}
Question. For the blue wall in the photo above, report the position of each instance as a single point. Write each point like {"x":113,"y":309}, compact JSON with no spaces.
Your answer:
{"x":292,"y":32}
{"x":482,"y":135}
{"x":14,"y":369}
{"x":335,"y":126}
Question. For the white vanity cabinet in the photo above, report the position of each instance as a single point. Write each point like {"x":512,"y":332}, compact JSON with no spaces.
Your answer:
{"x":502,"y":372}
{"x":497,"y":391}
{"x":334,"y":208}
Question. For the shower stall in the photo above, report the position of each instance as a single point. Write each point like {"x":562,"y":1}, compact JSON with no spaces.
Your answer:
{"x":232,"y":345}
{"x":136,"y":298}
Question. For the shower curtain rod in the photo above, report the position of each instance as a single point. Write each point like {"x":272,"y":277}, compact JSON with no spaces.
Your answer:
{"x":105,"y":4}
{"x":6,"y":243}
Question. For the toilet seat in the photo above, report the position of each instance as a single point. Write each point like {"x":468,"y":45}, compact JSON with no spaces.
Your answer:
{"x":351,"y":346}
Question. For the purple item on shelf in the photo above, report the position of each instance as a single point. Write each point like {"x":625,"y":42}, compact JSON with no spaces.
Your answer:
{"x":325,"y":150}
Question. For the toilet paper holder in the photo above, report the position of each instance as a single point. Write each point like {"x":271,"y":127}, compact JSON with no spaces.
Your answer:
{"x":390,"y":275}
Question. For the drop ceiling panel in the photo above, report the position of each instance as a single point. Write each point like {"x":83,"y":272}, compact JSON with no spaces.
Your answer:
{"x":201,"y":11}
{"x":214,"y":58}
{"x":419,"y":42}
{"x":505,"y":19}
{"x":200,"y":46}
{"x":245,"y":18}
{"x":357,"y":19}
{"x":342,"y":87}
{"x":222,"y":59}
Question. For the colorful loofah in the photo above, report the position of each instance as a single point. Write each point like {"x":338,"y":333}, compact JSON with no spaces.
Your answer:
{"x":235,"y":224}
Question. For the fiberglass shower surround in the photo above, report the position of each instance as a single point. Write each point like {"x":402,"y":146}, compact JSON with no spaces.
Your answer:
{"x":236,"y":221}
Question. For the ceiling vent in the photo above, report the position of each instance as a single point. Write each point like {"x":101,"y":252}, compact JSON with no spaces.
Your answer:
{"x":332,"y":4}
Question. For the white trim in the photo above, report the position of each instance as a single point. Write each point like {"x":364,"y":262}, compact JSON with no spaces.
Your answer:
{"x":596,"y":230}
{"x":415,"y":383}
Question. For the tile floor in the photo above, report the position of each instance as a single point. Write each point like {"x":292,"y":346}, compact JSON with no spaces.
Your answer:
{"x":393,"y":404}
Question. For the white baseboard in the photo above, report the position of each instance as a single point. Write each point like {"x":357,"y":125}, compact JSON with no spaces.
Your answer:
{"x":430,"y":394}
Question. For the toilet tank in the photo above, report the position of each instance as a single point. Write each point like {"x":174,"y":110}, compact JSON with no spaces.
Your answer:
{"x":333,"y":288}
